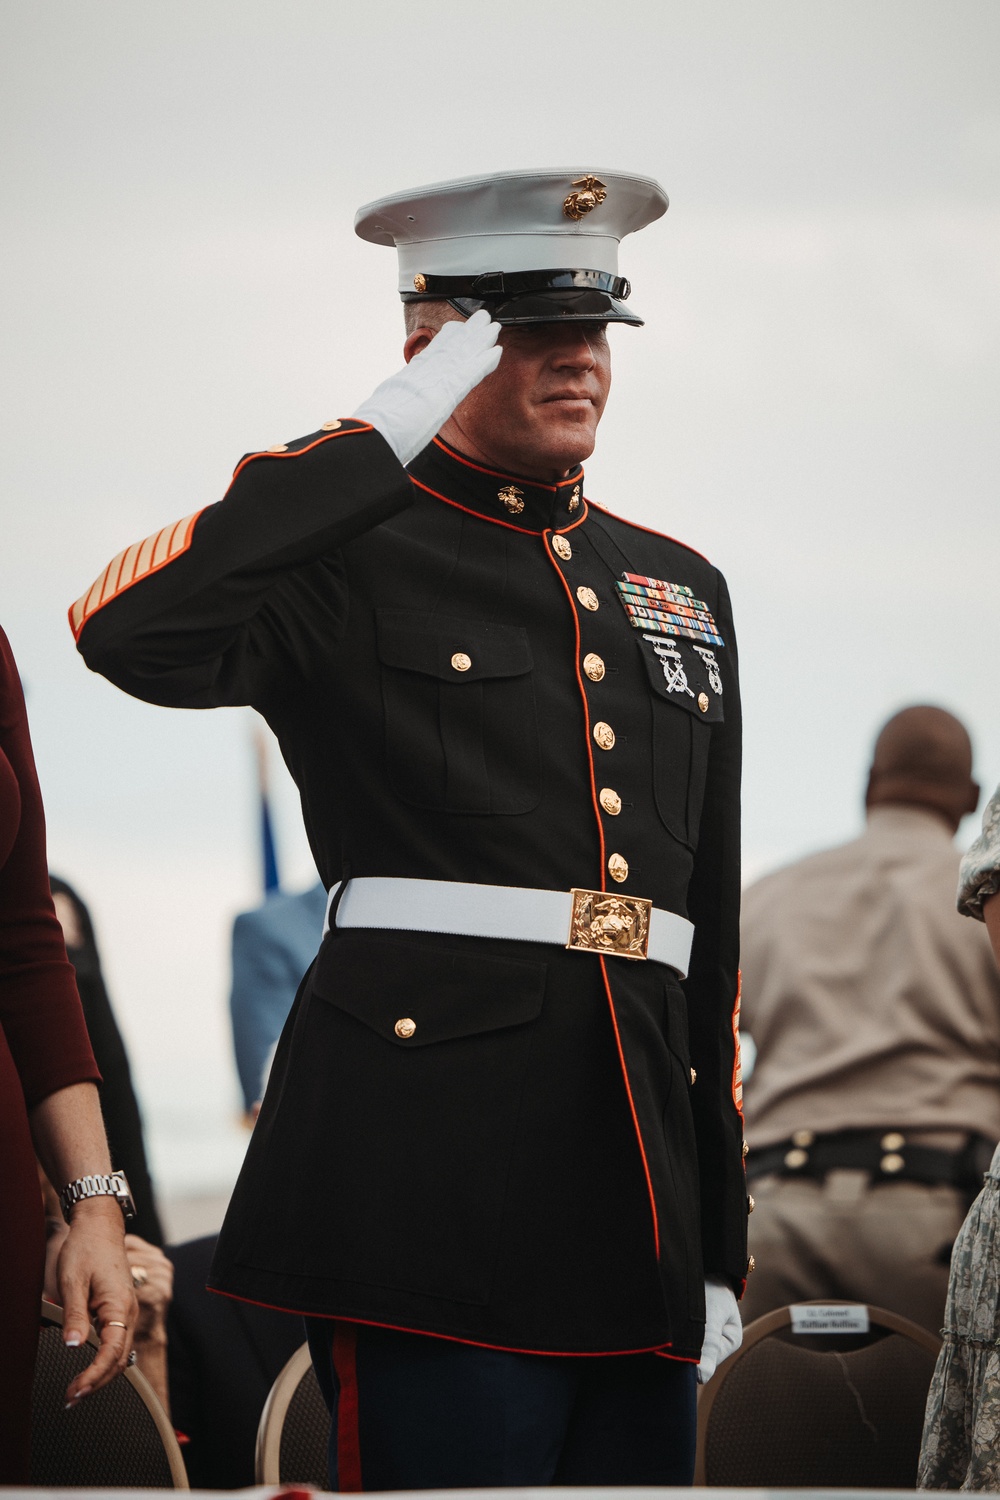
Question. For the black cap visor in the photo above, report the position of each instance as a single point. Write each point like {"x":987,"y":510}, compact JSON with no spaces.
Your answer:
{"x":533,"y":296}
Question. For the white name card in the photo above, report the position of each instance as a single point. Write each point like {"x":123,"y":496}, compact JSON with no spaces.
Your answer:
{"x":829,"y":1317}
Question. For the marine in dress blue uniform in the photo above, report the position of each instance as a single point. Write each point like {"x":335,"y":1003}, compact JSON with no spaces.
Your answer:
{"x":502,"y":1133}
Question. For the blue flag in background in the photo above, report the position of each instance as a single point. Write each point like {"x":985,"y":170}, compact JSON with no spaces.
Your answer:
{"x":268,"y":852}
{"x":268,"y":849}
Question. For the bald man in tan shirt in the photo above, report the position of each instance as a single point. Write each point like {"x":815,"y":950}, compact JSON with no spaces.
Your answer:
{"x":874,"y":1103}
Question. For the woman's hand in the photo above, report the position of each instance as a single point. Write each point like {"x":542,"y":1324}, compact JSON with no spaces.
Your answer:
{"x":153,"y":1278}
{"x":95,"y":1281}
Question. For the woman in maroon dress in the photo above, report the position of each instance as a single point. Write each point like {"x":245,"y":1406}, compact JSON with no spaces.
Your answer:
{"x":49,"y":1108}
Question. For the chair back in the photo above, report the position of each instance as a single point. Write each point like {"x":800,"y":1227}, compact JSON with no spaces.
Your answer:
{"x":119,"y":1436}
{"x":294,"y":1433}
{"x":818,"y":1409}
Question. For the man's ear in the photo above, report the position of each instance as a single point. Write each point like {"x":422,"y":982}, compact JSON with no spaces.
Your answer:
{"x":417,"y":341}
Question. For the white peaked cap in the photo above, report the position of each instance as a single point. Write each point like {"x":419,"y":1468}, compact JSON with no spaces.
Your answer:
{"x":511,"y":222}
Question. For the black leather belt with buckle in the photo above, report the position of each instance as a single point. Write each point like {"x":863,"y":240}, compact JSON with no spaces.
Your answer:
{"x":885,"y":1154}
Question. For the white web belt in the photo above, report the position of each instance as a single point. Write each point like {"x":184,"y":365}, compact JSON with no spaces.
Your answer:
{"x":587,"y":921}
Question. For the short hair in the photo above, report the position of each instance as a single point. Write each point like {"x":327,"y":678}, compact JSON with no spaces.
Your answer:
{"x":428,"y":315}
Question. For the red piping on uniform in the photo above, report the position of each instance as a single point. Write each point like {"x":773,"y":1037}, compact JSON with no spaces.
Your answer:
{"x":737,"y":1056}
{"x":345,"y":1343}
{"x":492,"y":520}
{"x":562,"y":530}
{"x":498,"y":474}
{"x":583,"y":696}
{"x":451,"y":1338}
{"x":119,"y":590}
{"x":600,"y":830}
{"x":653,"y":532}
{"x":297,"y":453}
{"x":631,"y":1105}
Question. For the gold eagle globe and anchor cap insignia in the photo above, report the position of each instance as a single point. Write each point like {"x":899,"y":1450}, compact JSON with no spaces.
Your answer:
{"x":590,"y":193}
{"x":536,"y":246}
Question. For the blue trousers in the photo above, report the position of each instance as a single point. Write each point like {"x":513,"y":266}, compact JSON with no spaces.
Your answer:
{"x":413,"y":1412}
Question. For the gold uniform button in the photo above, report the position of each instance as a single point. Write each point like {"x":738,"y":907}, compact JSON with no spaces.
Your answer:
{"x":461,"y":662}
{"x":746,"y":1149}
{"x":593,"y":665}
{"x":588,"y":598}
{"x":562,"y":548}
{"x":751,"y":1205}
{"x":405,"y":1028}
{"x":802,"y":1137}
{"x":694,"y":1077}
{"x":420,"y":282}
{"x":893,"y":1141}
{"x":703,"y":702}
{"x":751,"y":1264}
{"x":610,"y":801}
{"x":618,"y":867}
{"x":278,"y":448}
{"x":604,"y":735}
{"x":331,"y":426}
{"x":892,"y":1163}
{"x":796,"y":1158}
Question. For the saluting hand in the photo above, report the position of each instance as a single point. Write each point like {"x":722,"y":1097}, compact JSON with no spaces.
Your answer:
{"x":411,"y":406}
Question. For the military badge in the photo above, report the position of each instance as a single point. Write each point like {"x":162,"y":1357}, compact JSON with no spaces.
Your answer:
{"x":671,"y":608}
{"x":712,"y":667}
{"x":511,"y":498}
{"x":672,"y":663}
{"x":590,"y":194}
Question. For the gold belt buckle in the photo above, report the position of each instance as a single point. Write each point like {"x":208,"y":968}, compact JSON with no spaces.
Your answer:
{"x":603,"y":922}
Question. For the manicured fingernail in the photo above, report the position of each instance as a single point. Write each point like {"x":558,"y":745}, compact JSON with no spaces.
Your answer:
{"x":73,"y":1342}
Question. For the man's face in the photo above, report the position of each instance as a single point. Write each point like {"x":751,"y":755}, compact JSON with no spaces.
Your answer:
{"x":537,"y":414}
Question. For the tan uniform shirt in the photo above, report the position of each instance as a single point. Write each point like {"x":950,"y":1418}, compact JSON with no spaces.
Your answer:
{"x":871,"y":1001}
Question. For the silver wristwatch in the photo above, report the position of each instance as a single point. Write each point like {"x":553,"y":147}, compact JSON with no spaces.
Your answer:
{"x":98,"y":1185}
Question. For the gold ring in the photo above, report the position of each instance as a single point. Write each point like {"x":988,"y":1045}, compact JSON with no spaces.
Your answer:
{"x":114,"y":1323}
{"x":139,"y":1275}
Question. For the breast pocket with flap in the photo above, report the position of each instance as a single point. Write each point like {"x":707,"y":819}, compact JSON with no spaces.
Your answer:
{"x":687,"y":699}
{"x":461,"y":726}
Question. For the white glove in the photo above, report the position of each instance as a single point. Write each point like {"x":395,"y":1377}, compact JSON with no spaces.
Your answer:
{"x":723,"y":1327}
{"x":409,"y":408}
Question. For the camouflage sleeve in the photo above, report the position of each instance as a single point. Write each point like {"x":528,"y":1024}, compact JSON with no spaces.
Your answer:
{"x":979,"y":877}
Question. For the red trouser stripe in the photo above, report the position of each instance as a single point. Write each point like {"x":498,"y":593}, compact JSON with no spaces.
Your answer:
{"x":345,"y":1341}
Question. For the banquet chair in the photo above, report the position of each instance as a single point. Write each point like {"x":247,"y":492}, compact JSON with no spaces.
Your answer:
{"x":119,"y":1436}
{"x":294,"y":1428}
{"x":829,"y":1410}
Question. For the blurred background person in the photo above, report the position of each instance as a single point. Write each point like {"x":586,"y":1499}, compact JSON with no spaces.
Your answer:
{"x":223,"y":1358}
{"x":874,"y":1104}
{"x":119,"y":1106}
{"x":48,"y":1106}
{"x":273,"y":946}
{"x":960,"y":1449}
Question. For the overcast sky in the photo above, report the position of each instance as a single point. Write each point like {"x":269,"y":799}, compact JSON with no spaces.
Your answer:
{"x":812,"y":403}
